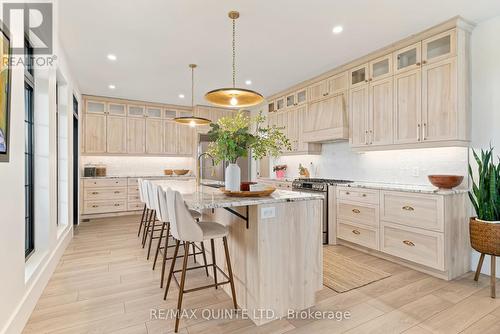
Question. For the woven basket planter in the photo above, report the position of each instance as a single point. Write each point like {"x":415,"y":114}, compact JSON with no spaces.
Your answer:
{"x":485,"y":236}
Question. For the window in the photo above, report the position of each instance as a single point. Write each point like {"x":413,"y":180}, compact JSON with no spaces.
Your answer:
{"x":29,"y":170}
{"x":29,"y":157}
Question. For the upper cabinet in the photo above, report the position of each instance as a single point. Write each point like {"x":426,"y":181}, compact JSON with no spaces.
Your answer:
{"x":408,"y":58}
{"x":96,"y":107}
{"x":380,"y":68}
{"x":358,"y":76}
{"x":439,"y":47}
{"x":135,"y":111}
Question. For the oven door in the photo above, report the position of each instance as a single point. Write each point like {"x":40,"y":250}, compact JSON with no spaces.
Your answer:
{"x":325,"y":211}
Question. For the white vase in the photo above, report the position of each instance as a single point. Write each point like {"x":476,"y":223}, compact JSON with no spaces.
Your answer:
{"x":233,"y":177}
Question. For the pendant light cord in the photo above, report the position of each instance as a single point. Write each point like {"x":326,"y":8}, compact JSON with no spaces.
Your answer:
{"x":192,"y":88}
{"x":234,"y":53}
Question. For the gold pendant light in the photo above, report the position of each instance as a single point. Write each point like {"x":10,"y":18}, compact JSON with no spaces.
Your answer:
{"x":234,"y":97}
{"x":192,"y":120}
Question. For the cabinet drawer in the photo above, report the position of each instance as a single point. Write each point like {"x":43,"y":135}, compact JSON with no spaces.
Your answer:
{"x":111,"y":193}
{"x":369,"y":196}
{"x":420,"y":246}
{"x":101,"y":183}
{"x":134,"y":198}
{"x":133,"y":190}
{"x":361,"y":235}
{"x":353,"y":212}
{"x":135,"y":206}
{"x":414,"y":210}
{"x":133,"y":181}
{"x":91,"y":207}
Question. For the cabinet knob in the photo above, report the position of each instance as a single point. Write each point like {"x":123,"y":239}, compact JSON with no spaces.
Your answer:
{"x":366,"y":80}
{"x":117,"y":192}
{"x":347,"y":193}
{"x":424,"y":62}
{"x":418,"y":64}
{"x":356,"y":232}
{"x":356,"y":211}
{"x":370,"y":79}
{"x":116,"y":204}
{"x":408,"y":243}
{"x":408,"y":208}
{"x":95,"y":192}
{"x":95,"y":206}
{"x":364,"y":195}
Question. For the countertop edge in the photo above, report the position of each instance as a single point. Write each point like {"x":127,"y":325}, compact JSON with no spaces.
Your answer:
{"x":404,"y":188}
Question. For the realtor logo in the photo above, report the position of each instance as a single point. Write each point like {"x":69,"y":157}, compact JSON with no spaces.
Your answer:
{"x":37,"y":20}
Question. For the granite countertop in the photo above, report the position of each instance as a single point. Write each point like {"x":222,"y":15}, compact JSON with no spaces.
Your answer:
{"x":286,"y":179}
{"x":137,"y":176}
{"x":205,"y":197}
{"x":403,"y":187}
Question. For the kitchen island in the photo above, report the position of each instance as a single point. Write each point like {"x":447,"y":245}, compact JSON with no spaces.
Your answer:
{"x":274,"y":243}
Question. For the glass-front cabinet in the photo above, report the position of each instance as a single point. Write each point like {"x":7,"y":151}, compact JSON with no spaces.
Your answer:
{"x":439,"y":47}
{"x":153,"y":112}
{"x":408,"y":58}
{"x":271,"y":106}
{"x":358,"y":75}
{"x":301,"y":96}
{"x":381,"y":68}
{"x":280,"y":103}
{"x":118,"y":109}
{"x":135,"y":111}
{"x":96,"y":107}
{"x":290,"y":100}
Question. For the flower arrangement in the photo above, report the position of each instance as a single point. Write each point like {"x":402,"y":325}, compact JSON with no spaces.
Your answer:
{"x":232,"y":138}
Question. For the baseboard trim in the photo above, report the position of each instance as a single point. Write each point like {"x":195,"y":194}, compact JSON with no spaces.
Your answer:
{"x":22,"y":312}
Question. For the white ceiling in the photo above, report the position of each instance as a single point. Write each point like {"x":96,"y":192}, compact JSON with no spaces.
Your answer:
{"x":279,"y":42}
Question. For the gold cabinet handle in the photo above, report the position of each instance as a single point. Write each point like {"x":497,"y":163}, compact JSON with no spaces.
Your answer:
{"x":408,"y":243}
{"x":116,"y":204}
{"x":418,"y":132}
{"x":418,"y":64}
{"x":95,"y":206}
{"x":356,"y":232}
{"x":424,"y":62}
{"x":347,"y":193}
{"x":364,"y":195}
{"x":424,"y":134}
{"x":117,"y":192}
{"x":356,"y":211}
{"x":408,"y":208}
{"x":95,"y":193}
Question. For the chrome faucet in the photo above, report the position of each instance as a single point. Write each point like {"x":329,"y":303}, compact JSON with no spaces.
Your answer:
{"x":198,"y":166}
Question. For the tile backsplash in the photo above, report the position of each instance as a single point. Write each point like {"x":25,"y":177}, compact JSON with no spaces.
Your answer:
{"x":125,"y":165}
{"x":338,"y":161}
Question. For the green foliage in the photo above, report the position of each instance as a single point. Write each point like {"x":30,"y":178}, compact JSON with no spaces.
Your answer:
{"x":232,"y":138}
{"x":485,"y":193}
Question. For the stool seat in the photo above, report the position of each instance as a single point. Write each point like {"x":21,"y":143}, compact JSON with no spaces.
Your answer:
{"x":195,"y":214}
{"x":213,"y":230}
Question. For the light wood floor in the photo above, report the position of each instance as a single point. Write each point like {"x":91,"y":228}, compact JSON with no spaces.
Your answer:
{"x":104,"y":284}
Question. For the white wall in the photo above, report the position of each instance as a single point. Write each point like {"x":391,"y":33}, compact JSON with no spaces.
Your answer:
{"x":23,"y":281}
{"x":141,"y":166}
{"x":486,"y":96}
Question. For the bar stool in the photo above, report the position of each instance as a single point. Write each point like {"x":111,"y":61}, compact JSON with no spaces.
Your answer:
{"x":150,"y":227}
{"x":145,"y":210}
{"x":185,"y":228}
{"x":164,"y":219}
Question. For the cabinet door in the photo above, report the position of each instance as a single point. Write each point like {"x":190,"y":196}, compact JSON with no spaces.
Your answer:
{"x":95,"y":107}
{"x":153,"y":112}
{"x":170,"y":137}
{"x":293,"y":128}
{"x":359,"y":115}
{"x":439,"y":47}
{"x":95,"y":133}
{"x":280,"y":103}
{"x":317,"y":91}
{"x":439,"y":101}
{"x":407,"y":107}
{"x":154,"y":136}
{"x":408,"y":58}
{"x":301,"y":97}
{"x":381,"y":115}
{"x":271,"y":106}
{"x":381,"y":68}
{"x":338,"y":83}
{"x":136,"y":135}
{"x":117,"y":109}
{"x":135,"y":111}
{"x":185,"y":137}
{"x":358,"y":76}
{"x":116,"y":134}
{"x":290,"y":100}
{"x":272,"y":120}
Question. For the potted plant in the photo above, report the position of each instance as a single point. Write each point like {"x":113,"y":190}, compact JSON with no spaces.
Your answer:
{"x":232,"y":138}
{"x":280,"y":171}
{"x":485,"y":197}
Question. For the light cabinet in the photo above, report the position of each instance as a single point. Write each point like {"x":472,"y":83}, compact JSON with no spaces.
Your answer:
{"x":95,"y":133}
{"x":380,"y":68}
{"x":271,"y":106}
{"x":185,"y":137}
{"x":358,"y":76}
{"x":439,"y":47}
{"x":116,"y":134}
{"x":135,"y":111}
{"x":407,"y":107}
{"x":136,"y":131}
{"x":317,"y":91}
{"x":296,"y":98}
{"x":280,"y":103}
{"x":358,"y":102}
{"x":408,"y":58}
{"x":153,"y":112}
{"x":154,"y":135}
{"x":331,"y":86}
{"x":118,"y":109}
{"x":95,"y":107}
{"x":293,"y":134}
{"x":170,"y":137}
{"x":380,"y":116}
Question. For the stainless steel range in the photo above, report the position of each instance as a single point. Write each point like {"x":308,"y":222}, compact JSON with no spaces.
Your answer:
{"x":327,"y":188}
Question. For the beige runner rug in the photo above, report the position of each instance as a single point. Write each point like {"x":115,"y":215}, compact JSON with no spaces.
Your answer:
{"x":342,"y":274}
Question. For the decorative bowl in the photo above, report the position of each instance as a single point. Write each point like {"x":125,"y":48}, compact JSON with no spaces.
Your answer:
{"x":445,"y":181}
{"x":181,"y":171}
{"x":245,"y":186}
{"x":261,"y":193}
{"x":168,"y":171}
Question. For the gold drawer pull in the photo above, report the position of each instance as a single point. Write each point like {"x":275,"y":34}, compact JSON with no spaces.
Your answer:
{"x":408,"y":243}
{"x":116,"y":204}
{"x":356,"y":232}
{"x":347,"y":193}
{"x":356,"y":211}
{"x":95,"y":193}
{"x":117,"y":192}
{"x":95,"y":206}
{"x":364,"y":195}
{"x":408,"y":208}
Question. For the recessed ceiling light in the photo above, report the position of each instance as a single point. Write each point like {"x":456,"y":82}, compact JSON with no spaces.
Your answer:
{"x":181,"y":96}
{"x":111,"y":86}
{"x":112,"y":57}
{"x":337,"y":29}
{"x":248,"y":82}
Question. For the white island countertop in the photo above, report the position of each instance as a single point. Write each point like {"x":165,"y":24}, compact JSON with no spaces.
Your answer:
{"x":205,"y":197}
{"x":423,"y":189}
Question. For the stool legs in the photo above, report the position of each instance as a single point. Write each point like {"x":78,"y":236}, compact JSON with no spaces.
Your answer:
{"x":164,"y":256}
{"x":493,"y":277}
{"x":204,"y":257}
{"x":212,"y":245}
{"x":479,"y":266}
{"x":172,"y":265}
{"x":159,"y":244}
{"x":146,"y":228}
{"x":152,"y":232}
{"x":144,"y":213}
{"x":230,"y":272}
{"x":181,"y":288}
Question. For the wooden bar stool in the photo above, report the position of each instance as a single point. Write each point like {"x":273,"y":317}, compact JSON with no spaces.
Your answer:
{"x":485,"y":238}
{"x":145,"y":210}
{"x":164,"y":220}
{"x":185,"y":228}
{"x":150,"y":228}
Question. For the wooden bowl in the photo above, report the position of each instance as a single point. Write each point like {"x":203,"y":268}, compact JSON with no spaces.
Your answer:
{"x":262,"y":193}
{"x":168,"y":171}
{"x":445,"y":181}
{"x":181,"y":171}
